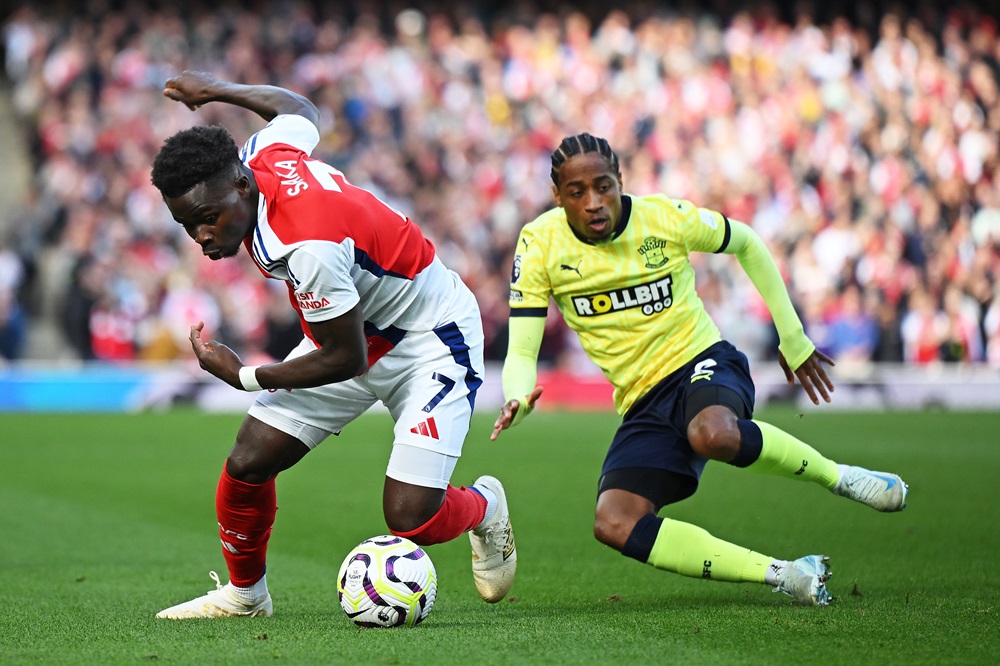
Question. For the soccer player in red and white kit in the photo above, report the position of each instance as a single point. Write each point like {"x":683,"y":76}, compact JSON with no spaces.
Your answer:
{"x":383,"y":318}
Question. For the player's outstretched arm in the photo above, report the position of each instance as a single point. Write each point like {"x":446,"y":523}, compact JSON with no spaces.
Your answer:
{"x":342,"y":354}
{"x":520,"y":370}
{"x":797,"y":353}
{"x":196,"y":88}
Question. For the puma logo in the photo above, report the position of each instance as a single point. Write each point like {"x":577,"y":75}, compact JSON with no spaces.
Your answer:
{"x":575,"y":269}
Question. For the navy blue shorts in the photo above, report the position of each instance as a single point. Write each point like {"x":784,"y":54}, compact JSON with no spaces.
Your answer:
{"x":651,"y":449}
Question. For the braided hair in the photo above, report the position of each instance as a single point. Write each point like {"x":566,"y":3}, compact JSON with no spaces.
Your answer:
{"x":193,"y":156}
{"x":579,"y":144}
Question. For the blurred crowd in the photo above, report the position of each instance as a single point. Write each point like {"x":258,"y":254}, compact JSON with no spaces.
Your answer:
{"x":863,"y":148}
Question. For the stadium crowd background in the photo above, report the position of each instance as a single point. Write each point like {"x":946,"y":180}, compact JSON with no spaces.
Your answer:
{"x":862,"y":146}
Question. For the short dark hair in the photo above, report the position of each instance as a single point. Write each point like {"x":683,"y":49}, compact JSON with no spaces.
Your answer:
{"x":193,"y":156}
{"x":582,"y":143}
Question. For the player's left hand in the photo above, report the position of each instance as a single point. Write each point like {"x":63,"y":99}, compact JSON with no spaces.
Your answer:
{"x":191,"y":88}
{"x":812,"y":375}
{"x":216,"y":358}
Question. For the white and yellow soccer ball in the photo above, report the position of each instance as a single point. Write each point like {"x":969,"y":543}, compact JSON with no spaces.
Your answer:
{"x":387,"y":581}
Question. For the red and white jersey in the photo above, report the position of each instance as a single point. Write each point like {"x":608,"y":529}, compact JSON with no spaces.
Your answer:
{"x":337,"y":245}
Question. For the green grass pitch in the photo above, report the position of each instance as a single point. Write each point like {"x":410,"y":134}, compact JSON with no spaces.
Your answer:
{"x":106,"y":519}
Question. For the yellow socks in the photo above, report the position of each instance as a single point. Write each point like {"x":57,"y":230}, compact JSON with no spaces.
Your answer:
{"x":691,"y":551}
{"x":783,"y":455}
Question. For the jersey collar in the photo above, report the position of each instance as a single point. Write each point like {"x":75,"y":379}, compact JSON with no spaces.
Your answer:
{"x":619,"y":230}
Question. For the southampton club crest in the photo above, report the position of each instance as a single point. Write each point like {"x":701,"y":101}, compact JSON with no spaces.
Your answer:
{"x":652,"y":251}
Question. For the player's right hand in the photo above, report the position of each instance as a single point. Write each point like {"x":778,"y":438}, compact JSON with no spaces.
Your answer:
{"x":190,"y":88}
{"x":216,"y":358}
{"x":508,"y":412}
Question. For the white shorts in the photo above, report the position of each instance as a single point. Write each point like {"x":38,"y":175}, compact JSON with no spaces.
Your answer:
{"x":428,"y":382}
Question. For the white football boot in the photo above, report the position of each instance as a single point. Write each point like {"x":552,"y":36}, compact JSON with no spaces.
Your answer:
{"x":805,"y":579}
{"x":494,"y":557}
{"x":879,"y":490}
{"x":220,"y":602}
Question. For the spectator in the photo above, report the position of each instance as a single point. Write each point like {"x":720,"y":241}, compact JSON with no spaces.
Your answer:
{"x":13,"y":321}
{"x":961,"y":341}
{"x":859,"y":151}
{"x":853,"y":331}
{"x":992,"y":327}
{"x":923,"y":328}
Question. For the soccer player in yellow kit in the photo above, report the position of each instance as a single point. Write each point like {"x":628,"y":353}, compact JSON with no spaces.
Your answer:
{"x":617,"y":267}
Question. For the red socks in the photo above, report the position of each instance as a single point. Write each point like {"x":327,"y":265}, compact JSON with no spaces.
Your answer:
{"x":246,"y":513}
{"x":462,"y":510}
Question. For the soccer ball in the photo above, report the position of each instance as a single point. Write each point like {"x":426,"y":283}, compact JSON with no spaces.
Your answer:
{"x":387,"y":581}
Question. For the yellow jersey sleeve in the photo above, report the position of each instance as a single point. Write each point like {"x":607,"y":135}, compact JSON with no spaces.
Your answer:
{"x":530,"y":288}
{"x":704,"y":230}
{"x":759,"y":266}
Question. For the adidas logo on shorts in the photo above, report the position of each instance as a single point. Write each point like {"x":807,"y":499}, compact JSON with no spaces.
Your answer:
{"x":426,"y":428}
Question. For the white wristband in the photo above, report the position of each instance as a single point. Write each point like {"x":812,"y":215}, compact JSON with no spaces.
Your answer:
{"x":248,"y":377}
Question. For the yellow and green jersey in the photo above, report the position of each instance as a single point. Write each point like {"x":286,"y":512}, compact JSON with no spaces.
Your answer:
{"x":631,"y":299}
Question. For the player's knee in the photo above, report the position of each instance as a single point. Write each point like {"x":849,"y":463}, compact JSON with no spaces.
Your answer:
{"x":252,"y":462}
{"x":714,"y":436}
{"x":261,"y":452}
{"x":404,"y":521}
{"x":612,"y":528}
{"x":415,"y":512}
{"x":245,"y":467}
